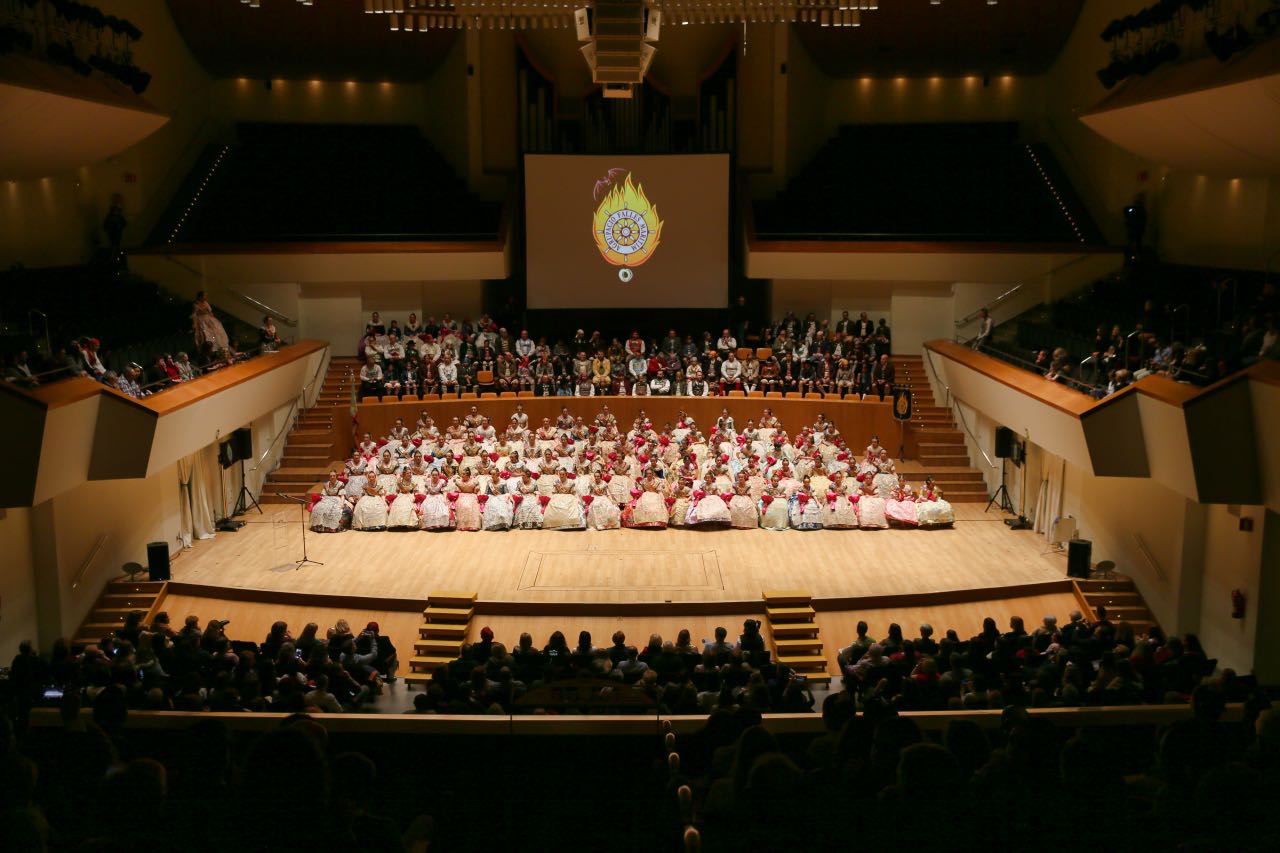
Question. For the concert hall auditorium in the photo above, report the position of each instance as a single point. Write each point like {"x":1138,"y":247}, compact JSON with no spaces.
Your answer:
{"x":678,"y":426}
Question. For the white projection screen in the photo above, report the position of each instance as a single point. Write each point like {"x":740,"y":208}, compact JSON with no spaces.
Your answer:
{"x":627,"y":232}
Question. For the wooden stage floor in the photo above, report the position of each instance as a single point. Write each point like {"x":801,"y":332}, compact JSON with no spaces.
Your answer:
{"x":651,"y":566}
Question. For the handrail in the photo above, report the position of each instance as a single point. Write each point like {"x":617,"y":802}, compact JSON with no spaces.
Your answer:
{"x":1075,"y":384}
{"x":1149,"y":557}
{"x":262,"y":306}
{"x":973,"y":315}
{"x":88,"y":561}
{"x":952,"y":404}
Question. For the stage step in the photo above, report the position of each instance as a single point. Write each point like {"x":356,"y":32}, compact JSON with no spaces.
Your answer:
{"x":134,"y":588}
{"x":443,"y":631}
{"x":1120,"y":584}
{"x":448,"y":614}
{"x":428,"y":663}
{"x":790,"y":614}
{"x":438,"y":648}
{"x":1111,"y":600}
{"x":797,"y":645}
{"x":791,"y":630}
{"x":450,"y":598}
{"x":785,"y":597}
{"x":804,"y":663}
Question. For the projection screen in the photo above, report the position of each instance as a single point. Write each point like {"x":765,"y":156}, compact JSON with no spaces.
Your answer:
{"x":627,"y":232}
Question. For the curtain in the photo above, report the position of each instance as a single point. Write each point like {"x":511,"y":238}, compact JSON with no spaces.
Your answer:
{"x":1049,"y":500}
{"x":199,"y":491}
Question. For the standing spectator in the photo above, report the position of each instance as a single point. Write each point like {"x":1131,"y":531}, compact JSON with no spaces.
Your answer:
{"x":268,"y":337}
{"x":985,"y":325}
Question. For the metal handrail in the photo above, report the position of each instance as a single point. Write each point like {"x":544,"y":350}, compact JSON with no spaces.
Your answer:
{"x":289,"y":419}
{"x":973,"y":315}
{"x":262,"y":306}
{"x":1148,"y":556}
{"x":953,"y":405}
{"x":88,"y":561}
{"x":1076,"y":384}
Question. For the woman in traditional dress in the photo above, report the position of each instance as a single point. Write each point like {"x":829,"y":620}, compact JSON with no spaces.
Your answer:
{"x":743,"y":514}
{"x":804,"y":511}
{"x":496,"y":509}
{"x":387,"y":469}
{"x":403,"y":514}
{"x":773,"y":509}
{"x":528,"y":513}
{"x":871,"y":509}
{"x":841,"y":510}
{"x":602,"y":512}
{"x":885,"y":481}
{"x":707,"y":507}
{"x":931,"y":509}
{"x":370,"y":512}
{"x":435,"y":511}
{"x":207,"y":328}
{"x":563,"y":507}
{"x":901,"y":508}
{"x":331,"y":512}
{"x":678,"y":503}
{"x":618,"y":483}
{"x":648,"y":509}
{"x":466,"y":506}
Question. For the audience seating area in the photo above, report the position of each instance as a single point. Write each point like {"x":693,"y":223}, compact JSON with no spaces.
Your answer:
{"x":283,"y":182}
{"x":951,"y":182}
{"x":1190,"y":324}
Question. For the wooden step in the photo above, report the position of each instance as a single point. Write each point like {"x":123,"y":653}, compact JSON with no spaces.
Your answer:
{"x":448,"y":614}
{"x":1128,"y":614}
{"x":790,"y":630}
{"x":416,"y":677}
{"x":1120,"y":584}
{"x":429,"y":663}
{"x":1112,"y":600}
{"x":299,"y":475}
{"x":817,"y":677}
{"x":269,"y":498}
{"x":99,"y":630}
{"x":786,"y":597}
{"x":443,"y":631}
{"x":110,"y":614}
{"x":804,"y":662}
{"x":304,"y":436}
{"x":126,"y":587}
{"x":450,"y":598}
{"x":128,"y":601}
{"x":797,"y":645}
{"x":438,"y":648}
{"x":789,"y":614}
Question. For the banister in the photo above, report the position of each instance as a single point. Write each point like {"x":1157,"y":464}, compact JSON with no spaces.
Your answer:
{"x":88,"y":561}
{"x":265,"y":308}
{"x":973,"y":315}
{"x":1149,"y":557}
{"x":952,"y":404}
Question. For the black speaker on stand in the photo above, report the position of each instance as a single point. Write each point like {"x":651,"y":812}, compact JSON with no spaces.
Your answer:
{"x":157,"y":561}
{"x":1004,"y":449}
{"x":1079,"y":558}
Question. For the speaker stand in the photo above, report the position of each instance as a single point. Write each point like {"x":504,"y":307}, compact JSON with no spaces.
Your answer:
{"x":225,"y":524}
{"x":1001,"y":498}
{"x":246,"y":497}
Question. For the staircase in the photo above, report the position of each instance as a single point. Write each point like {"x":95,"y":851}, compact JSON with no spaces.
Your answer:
{"x":1121,"y":599}
{"x":796,"y":643}
{"x":942,"y":451}
{"x":118,"y":600}
{"x":315,"y":441}
{"x":444,"y":628}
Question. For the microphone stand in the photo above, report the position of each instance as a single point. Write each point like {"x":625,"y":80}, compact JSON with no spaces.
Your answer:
{"x":302,"y":507}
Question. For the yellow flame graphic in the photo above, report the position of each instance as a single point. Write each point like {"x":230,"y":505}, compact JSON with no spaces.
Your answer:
{"x":626,"y":226}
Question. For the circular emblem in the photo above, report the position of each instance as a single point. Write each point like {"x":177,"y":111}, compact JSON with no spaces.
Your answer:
{"x":625,"y":231}
{"x":625,"y":274}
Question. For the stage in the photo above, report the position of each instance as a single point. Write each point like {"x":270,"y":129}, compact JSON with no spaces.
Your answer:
{"x":622,"y":566}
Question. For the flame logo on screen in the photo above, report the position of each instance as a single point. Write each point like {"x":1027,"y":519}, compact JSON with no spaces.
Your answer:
{"x":626,"y":226}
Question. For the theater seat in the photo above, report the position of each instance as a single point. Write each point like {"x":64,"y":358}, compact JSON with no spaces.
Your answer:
{"x":744,"y":353}
{"x":488,"y":395}
{"x":468,"y":395}
{"x":525,"y":394}
{"x":763,"y":352}
{"x":737,"y":394}
{"x":755,"y":393}
{"x":484,"y":377}
{"x":370,"y":400}
{"x":773,"y":394}
{"x":506,"y":394}
{"x":813,"y":395}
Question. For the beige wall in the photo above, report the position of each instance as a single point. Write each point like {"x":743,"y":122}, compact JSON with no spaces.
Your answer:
{"x":17,"y":581}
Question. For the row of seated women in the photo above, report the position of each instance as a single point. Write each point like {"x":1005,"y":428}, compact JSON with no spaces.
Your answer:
{"x":559,"y":477}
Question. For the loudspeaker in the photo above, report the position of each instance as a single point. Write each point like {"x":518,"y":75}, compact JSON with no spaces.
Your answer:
{"x":1079,"y":558}
{"x":157,"y":561}
{"x":1004,"y":442}
{"x":239,"y":446}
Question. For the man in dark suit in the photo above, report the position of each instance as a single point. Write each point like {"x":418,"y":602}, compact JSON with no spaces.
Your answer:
{"x":882,"y":376}
{"x":864,"y":327}
{"x":844,"y":325}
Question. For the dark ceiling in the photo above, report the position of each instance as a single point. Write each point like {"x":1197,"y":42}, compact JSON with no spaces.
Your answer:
{"x":915,"y":38}
{"x":332,"y":40}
